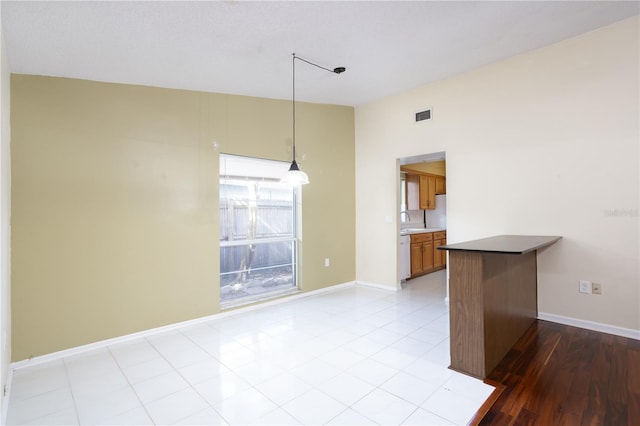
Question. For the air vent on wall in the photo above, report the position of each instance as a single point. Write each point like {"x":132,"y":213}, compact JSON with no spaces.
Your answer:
{"x":423,"y":115}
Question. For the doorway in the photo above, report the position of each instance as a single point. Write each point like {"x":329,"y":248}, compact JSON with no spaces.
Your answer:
{"x":422,"y":205}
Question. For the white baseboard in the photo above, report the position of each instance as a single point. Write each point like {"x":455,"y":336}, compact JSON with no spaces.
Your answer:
{"x":590,"y":325}
{"x":151,"y":332}
{"x":378,"y":286}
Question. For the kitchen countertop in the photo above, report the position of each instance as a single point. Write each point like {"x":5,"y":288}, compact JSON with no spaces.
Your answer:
{"x":410,"y":231}
{"x":509,"y":244}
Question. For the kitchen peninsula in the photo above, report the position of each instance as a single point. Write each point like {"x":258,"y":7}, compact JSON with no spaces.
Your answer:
{"x":492,"y":298}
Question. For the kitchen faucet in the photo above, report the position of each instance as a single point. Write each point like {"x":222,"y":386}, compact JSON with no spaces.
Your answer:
{"x":407,"y":213}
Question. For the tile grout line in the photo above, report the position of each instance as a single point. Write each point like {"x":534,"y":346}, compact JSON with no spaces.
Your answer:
{"x":73,"y":396}
{"x":186,"y":381}
{"x":144,"y":407}
{"x":191,"y":384}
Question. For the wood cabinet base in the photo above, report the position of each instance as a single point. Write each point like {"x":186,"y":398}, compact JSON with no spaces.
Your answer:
{"x":419,"y":274}
{"x":493,"y":300}
{"x":424,"y":256}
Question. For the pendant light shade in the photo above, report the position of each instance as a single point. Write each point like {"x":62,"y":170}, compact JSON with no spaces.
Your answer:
{"x":295,"y":176}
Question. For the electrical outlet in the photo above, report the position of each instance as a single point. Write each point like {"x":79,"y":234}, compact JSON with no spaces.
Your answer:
{"x":584,"y":287}
{"x":327,"y":262}
{"x":596,"y":288}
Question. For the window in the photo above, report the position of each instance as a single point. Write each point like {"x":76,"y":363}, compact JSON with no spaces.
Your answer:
{"x":258,"y":230}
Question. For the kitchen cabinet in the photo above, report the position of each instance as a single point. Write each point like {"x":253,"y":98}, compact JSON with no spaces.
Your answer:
{"x":427,"y":256}
{"x":439,"y":256}
{"x":421,"y":253}
{"x":424,"y":256}
{"x":413,"y":192}
{"x":441,"y":185}
{"x":422,"y":189}
{"x":416,"y":259}
{"x":427,"y":192}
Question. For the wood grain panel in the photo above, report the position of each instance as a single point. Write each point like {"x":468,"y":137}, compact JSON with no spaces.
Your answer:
{"x":493,"y":300}
{"x":427,"y":256}
{"x":416,"y":259}
{"x":441,"y":185}
{"x":510,"y":302}
{"x":465,"y":313}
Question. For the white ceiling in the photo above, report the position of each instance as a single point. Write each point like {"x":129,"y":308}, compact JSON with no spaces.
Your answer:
{"x":245,"y":48}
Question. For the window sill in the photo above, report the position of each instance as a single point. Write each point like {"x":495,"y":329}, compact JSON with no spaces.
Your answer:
{"x":250,"y":300}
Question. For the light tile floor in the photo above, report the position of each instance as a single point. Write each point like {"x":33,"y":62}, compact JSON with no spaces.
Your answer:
{"x":354,"y":356}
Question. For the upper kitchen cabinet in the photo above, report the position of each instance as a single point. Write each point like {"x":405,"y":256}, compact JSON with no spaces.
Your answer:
{"x":423,"y":182}
{"x":413,"y":192}
{"x":422,"y":190}
{"x":427,"y":192}
{"x":441,"y":185}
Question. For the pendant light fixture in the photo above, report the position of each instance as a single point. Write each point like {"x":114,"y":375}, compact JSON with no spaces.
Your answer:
{"x":295,"y":176}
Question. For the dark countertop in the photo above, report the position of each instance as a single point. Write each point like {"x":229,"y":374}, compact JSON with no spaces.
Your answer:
{"x":510,"y":244}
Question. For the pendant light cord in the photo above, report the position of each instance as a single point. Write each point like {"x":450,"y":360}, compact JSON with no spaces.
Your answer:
{"x":337,"y":70}
{"x":311,"y":63}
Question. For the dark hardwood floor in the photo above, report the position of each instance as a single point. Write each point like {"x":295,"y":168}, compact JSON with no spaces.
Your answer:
{"x":561,"y":375}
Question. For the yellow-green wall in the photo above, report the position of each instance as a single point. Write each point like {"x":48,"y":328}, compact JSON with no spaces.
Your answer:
{"x":115,"y":202}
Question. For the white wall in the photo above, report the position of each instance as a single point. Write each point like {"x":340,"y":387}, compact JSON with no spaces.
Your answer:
{"x":543,"y":143}
{"x":5,"y":228}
